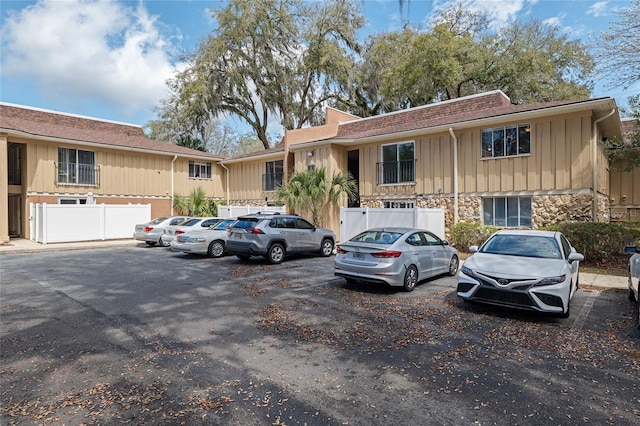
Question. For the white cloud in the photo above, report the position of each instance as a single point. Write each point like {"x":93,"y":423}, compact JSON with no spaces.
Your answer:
{"x":89,"y":51}
{"x":499,"y":12}
{"x":598,"y":9}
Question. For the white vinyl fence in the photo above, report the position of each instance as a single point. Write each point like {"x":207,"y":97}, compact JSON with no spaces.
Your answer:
{"x":355,"y":220}
{"x":58,"y":223}
{"x":235,"y":211}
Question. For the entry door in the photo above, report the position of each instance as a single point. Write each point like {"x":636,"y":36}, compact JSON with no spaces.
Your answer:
{"x":353,"y":167}
{"x":15,"y":216}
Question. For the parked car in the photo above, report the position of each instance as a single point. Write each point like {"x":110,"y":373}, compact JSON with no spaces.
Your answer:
{"x":634,"y":278}
{"x":151,"y":232}
{"x":523,"y":269}
{"x":210,"y":241}
{"x":399,"y":257}
{"x":275,"y":235}
{"x":190,"y":224}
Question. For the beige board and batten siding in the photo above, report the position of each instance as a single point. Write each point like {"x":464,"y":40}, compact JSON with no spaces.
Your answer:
{"x":560,"y":159}
{"x":122,"y":173}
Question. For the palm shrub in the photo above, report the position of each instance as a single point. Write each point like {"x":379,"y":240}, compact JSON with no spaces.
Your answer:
{"x":312,"y":190}
{"x":195,"y":204}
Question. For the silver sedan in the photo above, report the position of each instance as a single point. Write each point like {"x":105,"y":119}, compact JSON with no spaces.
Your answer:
{"x":151,"y":232}
{"x":399,"y":257}
{"x":210,"y":242}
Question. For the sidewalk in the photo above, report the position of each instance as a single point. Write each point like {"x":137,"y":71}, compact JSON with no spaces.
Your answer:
{"x":28,"y":246}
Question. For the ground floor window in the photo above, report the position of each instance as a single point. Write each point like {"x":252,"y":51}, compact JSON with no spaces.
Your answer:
{"x":72,"y":200}
{"x":507,"y":211}
{"x":399,"y":204}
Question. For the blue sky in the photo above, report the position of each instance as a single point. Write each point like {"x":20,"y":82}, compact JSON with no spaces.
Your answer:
{"x":110,"y":59}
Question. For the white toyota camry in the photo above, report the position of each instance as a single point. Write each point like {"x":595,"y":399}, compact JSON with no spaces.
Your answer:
{"x":523,"y":269}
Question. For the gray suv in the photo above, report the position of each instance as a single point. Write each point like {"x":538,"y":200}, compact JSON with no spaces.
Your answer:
{"x":275,"y":235}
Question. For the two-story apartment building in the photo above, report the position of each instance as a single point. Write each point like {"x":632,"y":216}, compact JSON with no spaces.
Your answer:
{"x":481,"y":158}
{"x":50,"y":157}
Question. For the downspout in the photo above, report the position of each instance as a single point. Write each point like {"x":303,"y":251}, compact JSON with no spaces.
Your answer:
{"x":175,"y":157}
{"x":455,"y":176}
{"x":227,"y":173}
{"x":594,"y":202}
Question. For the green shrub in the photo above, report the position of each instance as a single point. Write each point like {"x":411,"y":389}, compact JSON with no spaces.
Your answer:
{"x":598,"y":242}
{"x":465,"y":234}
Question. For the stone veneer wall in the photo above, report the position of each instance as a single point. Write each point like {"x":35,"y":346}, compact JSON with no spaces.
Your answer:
{"x":546,"y":209}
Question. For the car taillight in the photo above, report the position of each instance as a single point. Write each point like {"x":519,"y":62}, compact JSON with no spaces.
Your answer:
{"x":254,"y":231}
{"x":179,"y":232}
{"x":340,"y":250}
{"x":387,"y":254}
{"x":148,"y":229}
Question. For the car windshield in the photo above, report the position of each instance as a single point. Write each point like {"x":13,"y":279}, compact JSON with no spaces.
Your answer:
{"x":523,"y":245}
{"x":377,"y":237}
{"x":222,"y":226}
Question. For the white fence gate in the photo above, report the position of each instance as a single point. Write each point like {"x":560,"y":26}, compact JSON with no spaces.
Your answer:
{"x":235,"y":211}
{"x":355,"y":220}
{"x":59,"y":223}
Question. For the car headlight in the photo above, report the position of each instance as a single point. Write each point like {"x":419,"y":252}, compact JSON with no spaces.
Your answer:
{"x":466,"y":271}
{"x":551,"y":280}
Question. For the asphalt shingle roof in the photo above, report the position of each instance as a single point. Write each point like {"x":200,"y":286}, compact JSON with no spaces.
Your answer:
{"x":486,"y":105}
{"x":81,"y":129}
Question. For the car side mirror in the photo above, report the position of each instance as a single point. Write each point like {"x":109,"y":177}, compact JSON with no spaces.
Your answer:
{"x":445,"y":242}
{"x":575,"y":256}
{"x":473,"y":249}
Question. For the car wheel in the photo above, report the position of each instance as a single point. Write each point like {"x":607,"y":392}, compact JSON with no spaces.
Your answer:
{"x":410,"y":278}
{"x":243,"y":256}
{"x":216,"y":249}
{"x":631,"y":295}
{"x":150,"y":243}
{"x":326,"y":248}
{"x":453,"y":265}
{"x":275,"y":253}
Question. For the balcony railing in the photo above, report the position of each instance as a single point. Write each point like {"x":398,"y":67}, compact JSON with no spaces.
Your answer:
{"x":390,"y":172}
{"x":271,"y":181}
{"x":78,"y":174}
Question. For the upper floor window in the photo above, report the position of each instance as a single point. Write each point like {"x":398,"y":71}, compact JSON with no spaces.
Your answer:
{"x":199,"y":170}
{"x":77,"y":167}
{"x":272,"y":178}
{"x":398,"y":163}
{"x":506,"y":141}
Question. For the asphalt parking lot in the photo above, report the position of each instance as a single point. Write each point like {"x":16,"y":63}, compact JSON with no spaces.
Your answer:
{"x":143,"y":335}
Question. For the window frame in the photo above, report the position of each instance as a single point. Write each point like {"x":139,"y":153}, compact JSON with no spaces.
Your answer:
{"x":69,"y":171}
{"x":272,"y":178}
{"x":401,"y":176}
{"x":196,"y":169}
{"x":505,"y":147}
{"x":504,"y":204}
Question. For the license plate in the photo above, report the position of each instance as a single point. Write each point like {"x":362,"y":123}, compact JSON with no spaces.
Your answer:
{"x":357,"y":255}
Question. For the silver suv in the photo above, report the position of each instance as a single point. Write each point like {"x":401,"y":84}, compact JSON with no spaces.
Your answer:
{"x":275,"y":235}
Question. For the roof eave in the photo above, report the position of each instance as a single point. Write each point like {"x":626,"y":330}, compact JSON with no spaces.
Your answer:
{"x":600,"y":107}
{"x":103,"y":145}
